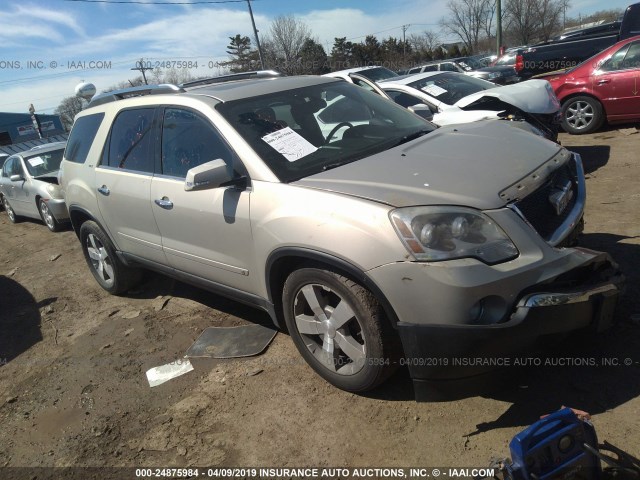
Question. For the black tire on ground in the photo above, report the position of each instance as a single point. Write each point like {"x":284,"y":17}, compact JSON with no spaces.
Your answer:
{"x":13,"y":218}
{"x":112,"y":275}
{"x":582,"y":115}
{"x":340,"y":329}
{"x":47,"y":217}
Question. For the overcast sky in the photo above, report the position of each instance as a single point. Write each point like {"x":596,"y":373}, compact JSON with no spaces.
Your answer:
{"x":48,"y":47}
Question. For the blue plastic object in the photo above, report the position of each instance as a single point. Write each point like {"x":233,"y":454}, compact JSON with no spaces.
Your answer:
{"x":553,"y":448}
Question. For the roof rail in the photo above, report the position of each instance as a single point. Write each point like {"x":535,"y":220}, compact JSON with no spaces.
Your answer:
{"x":133,"y":92}
{"x":232,"y":77}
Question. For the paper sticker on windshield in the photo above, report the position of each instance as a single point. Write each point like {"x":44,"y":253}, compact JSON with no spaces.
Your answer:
{"x":434,"y":90}
{"x":288,"y":143}
{"x":35,"y":161}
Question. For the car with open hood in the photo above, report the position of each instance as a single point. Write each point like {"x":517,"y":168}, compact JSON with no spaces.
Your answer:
{"x":29,"y":186}
{"x":453,"y":98}
{"x":394,"y":243}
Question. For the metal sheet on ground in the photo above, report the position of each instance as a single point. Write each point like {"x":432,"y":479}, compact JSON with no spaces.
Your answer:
{"x":232,"y":342}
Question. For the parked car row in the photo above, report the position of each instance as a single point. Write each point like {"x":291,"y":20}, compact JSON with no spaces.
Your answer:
{"x":373,"y":236}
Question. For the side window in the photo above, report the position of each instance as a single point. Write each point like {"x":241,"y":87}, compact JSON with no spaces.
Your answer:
{"x":403,"y":99}
{"x":8,"y":166}
{"x":415,"y":70}
{"x":448,"y":67}
{"x":189,"y":140}
{"x":615,"y":61}
{"x":14,"y":167}
{"x":130,"y":146}
{"x":632,"y":58}
{"x":81,"y":138}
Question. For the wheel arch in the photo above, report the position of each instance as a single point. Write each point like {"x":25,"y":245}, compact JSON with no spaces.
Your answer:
{"x":79,"y":215}
{"x":583,"y":94}
{"x":283,"y":261}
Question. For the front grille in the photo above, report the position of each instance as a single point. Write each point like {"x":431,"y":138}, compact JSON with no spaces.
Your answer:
{"x":538,"y":209}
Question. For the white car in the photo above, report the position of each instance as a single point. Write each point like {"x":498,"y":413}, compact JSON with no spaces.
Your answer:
{"x":373,"y":73}
{"x":448,"y":98}
{"x":457,"y":98}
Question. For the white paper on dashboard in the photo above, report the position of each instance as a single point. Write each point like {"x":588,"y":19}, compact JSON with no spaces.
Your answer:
{"x":288,"y":143}
{"x":434,"y":90}
{"x":35,"y":161}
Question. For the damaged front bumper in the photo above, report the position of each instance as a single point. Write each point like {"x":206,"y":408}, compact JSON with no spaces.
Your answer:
{"x":585,"y":297}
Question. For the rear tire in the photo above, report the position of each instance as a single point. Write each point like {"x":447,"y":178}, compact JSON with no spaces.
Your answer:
{"x":339,"y":328}
{"x":582,"y":115}
{"x":112,"y":275}
{"x":13,"y":218}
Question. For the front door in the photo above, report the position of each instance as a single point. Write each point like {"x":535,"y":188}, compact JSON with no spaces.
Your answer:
{"x":205,"y":233}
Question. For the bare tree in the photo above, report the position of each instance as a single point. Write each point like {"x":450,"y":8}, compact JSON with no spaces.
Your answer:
{"x":468,"y":20}
{"x":287,"y":36}
{"x":67,"y":110}
{"x":534,"y":20}
{"x":427,"y":41}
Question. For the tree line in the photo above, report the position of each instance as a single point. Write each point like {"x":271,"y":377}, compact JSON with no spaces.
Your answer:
{"x":290,"y":47}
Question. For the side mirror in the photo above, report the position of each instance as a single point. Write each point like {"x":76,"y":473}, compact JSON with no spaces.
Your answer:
{"x":423,"y":111}
{"x":16,"y":178}
{"x":212,"y":174}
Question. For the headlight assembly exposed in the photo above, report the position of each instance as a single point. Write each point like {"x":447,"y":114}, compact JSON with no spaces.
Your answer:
{"x":446,"y":233}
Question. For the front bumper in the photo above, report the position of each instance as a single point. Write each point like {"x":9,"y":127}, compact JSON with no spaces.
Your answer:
{"x":582,"y":298}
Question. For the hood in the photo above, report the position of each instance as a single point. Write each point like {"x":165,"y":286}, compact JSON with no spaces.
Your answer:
{"x":532,"y":96}
{"x":465,"y":165}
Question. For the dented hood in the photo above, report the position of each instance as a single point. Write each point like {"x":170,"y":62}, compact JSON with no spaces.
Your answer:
{"x":533,"y":96}
{"x":468,"y":165}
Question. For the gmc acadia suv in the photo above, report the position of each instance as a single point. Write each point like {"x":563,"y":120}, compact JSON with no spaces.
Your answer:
{"x":373,"y":237}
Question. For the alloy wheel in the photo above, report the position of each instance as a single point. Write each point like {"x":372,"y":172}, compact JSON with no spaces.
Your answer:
{"x":100,"y":259}
{"x":47,"y":216}
{"x":330,"y":329}
{"x":580,"y":115}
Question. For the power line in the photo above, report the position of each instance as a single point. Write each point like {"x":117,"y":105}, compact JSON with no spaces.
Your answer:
{"x":143,"y":2}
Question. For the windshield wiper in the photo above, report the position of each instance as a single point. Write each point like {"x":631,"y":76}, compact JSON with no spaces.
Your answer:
{"x":412,"y":136}
{"x":330,"y":166}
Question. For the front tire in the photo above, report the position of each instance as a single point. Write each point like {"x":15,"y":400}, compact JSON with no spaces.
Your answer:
{"x":112,"y":275}
{"x":339,"y":328}
{"x":13,"y":218}
{"x":582,"y":115}
{"x":47,"y":217}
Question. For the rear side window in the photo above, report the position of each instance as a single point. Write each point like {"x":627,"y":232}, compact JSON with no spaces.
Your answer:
{"x":130,"y":146}
{"x":81,"y":138}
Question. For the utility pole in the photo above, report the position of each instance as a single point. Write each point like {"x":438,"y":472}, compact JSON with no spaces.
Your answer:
{"x":141,"y":68}
{"x":255,"y":32}
{"x":499,"y":27}
{"x":404,"y":41}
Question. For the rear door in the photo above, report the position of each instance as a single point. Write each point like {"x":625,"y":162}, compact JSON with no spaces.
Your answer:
{"x":123,"y":184}
{"x":205,"y":233}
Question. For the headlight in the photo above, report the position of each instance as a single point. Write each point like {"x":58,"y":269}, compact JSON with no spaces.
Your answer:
{"x":445,"y":233}
{"x":54,"y":191}
{"x":494,"y":75}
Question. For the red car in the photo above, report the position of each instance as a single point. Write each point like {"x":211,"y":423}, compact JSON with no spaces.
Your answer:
{"x":606,"y":86}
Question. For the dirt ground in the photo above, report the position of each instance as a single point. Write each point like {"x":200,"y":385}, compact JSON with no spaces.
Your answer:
{"x":73,"y":390}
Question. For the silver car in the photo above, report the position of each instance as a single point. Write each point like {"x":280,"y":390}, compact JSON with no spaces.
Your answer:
{"x":380,"y":242}
{"x":29,"y":186}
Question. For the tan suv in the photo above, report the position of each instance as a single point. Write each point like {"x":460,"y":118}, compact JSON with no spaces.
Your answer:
{"x":374,"y":238}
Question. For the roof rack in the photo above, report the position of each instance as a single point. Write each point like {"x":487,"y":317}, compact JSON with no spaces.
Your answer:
{"x":232,"y":77}
{"x":133,"y":92}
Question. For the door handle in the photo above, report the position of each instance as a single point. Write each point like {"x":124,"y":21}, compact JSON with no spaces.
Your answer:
{"x":165,"y":203}
{"x":104,"y":190}
{"x":603,"y":81}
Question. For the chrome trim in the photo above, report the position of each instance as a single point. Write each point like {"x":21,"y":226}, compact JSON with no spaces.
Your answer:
{"x":553,"y":299}
{"x":576,"y":213}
